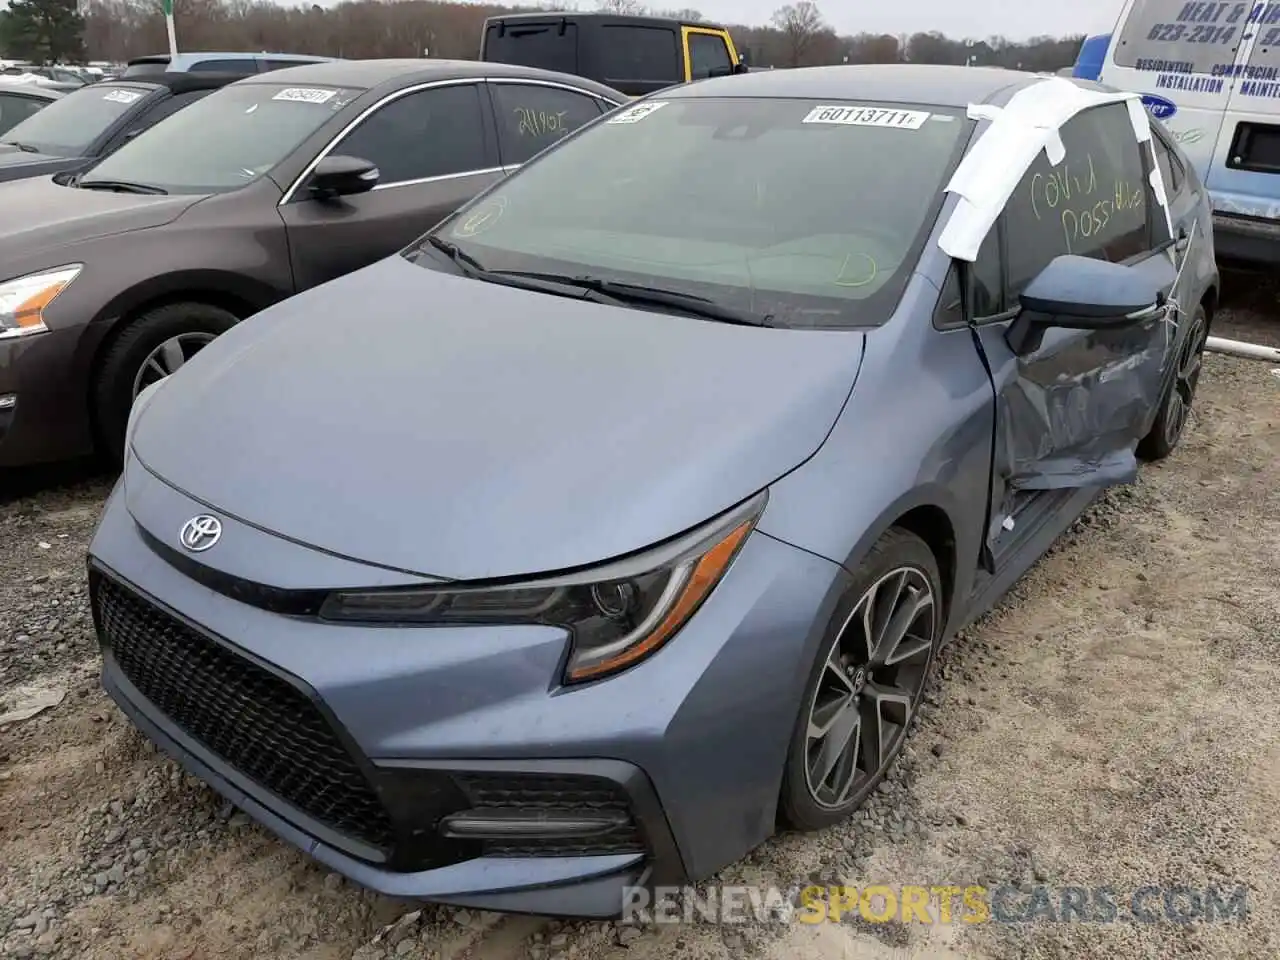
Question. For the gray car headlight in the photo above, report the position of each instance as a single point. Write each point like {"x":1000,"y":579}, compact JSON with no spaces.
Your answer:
{"x":23,"y":301}
{"x":616,"y":615}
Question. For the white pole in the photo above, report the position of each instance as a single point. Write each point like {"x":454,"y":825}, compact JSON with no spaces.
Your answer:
{"x":173,"y":34}
{"x":1238,"y":348}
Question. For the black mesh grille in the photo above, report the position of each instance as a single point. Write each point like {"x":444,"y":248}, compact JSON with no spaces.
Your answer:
{"x":252,"y":719}
{"x":555,"y":794}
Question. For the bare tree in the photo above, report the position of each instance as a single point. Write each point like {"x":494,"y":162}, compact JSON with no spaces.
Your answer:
{"x":687,"y":14}
{"x":116,"y":30}
{"x":800,"y":24}
{"x":628,"y":7}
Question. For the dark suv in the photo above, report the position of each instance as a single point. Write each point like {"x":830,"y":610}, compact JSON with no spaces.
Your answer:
{"x":634,"y":54}
{"x":96,"y":120}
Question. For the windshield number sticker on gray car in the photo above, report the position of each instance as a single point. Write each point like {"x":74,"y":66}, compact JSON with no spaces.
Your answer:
{"x":305,"y":95}
{"x":638,"y":112}
{"x":122,"y":96}
{"x":868,"y":117}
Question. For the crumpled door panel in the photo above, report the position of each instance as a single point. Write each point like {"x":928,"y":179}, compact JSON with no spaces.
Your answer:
{"x":1070,"y":414}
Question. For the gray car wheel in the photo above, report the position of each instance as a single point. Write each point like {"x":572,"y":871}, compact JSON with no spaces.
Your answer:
{"x":152,"y":346}
{"x":866,"y":685}
{"x":1175,"y":408}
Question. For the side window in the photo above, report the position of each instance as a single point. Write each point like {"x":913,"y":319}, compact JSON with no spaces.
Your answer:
{"x":431,"y":133}
{"x":986,"y":281}
{"x":532,"y":117}
{"x":246,"y":66}
{"x":14,"y":109}
{"x":1170,"y":168}
{"x":1093,"y":203}
{"x":707,"y":54}
{"x":640,"y":53}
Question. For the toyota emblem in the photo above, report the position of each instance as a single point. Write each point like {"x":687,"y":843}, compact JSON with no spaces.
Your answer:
{"x":200,"y":533}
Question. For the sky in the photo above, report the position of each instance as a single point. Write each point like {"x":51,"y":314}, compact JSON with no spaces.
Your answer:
{"x":1015,"y":19}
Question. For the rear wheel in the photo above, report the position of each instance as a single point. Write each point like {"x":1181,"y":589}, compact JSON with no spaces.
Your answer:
{"x":153,"y":346}
{"x":866,"y":685}
{"x":1175,"y":410}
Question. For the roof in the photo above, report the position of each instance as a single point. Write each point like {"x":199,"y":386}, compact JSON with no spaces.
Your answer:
{"x":175,"y":82}
{"x":202,"y":55}
{"x":393,"y":74}
{"x":31,"y":89}
{"x":944,"y":86}
{"x":543,"y":16}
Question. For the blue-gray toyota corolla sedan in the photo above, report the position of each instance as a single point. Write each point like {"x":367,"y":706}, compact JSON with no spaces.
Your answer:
{"x":617,"y":522}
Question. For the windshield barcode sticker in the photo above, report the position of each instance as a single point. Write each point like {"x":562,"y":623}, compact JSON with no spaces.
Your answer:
{"x":638,"y":112}
{"x":868,"y":117}
{"x":123,"y":96}
{"x":305,"y":95}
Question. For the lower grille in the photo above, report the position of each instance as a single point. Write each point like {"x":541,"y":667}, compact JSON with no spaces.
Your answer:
{"x":570,"y":795}
{"x":255,"y":721}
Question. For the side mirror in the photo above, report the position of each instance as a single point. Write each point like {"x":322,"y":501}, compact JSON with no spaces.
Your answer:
{"x":1080,"y":293}
{"x":341,"y":176}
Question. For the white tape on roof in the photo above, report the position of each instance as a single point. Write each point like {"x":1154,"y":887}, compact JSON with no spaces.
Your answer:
{"x":1030,"y":122}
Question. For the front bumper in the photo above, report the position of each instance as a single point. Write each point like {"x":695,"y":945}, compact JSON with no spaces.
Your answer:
{"x":42,"y":406}
{"x":364,"y":747}
{"x":1250,"y":241}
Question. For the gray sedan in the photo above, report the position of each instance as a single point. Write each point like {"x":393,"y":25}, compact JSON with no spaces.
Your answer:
{"x":20,"y":100}
{"x":620,"y":519}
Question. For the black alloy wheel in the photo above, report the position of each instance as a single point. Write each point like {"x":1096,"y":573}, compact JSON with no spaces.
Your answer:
{"x":1175,"y":411}
{"x":863,"y":695}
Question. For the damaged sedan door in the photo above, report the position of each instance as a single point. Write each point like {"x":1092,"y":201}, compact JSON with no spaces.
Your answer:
{"x":1068,"y":300}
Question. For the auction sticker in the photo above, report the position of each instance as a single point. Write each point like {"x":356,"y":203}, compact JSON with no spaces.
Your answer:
{"x":305,"y":95}
{"x":638,"y":112}
{"x":868,"y":117}
{"x":123,"y":96}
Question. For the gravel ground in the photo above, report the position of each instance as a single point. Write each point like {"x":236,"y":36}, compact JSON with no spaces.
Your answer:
{"x":1115,"y":722}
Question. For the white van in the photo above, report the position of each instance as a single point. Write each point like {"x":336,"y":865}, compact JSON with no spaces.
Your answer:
{"x":1210,"y":72}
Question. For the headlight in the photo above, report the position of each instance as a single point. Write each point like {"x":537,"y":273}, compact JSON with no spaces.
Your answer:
{"x":616,"y":615}
{"x":23,"y":301}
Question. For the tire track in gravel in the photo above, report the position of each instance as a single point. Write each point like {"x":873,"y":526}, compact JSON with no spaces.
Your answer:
{"x":1090,"y":728}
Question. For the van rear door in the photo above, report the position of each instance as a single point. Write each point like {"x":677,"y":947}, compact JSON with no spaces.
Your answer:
{"x":1244,"y":175}
{"x":1181,"y":56}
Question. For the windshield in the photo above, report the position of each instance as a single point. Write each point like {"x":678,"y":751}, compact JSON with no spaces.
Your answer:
{"x":226,"y":140}
{"x":68,"y":127}
{"x":810,"y":212}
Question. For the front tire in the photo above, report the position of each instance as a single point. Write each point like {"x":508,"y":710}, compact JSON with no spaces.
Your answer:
{"x":1175,"y":408}
{"x":151,"y":347}
{"x":866,"y":685}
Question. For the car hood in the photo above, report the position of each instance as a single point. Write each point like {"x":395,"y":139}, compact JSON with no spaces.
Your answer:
{"x":464,"y":430}
{"x":40,"y":216}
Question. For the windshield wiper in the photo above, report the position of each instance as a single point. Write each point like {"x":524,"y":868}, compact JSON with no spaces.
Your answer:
{"x":24,"y":147}
{"x":465,"y":261}
{"x":121,"y":186}
{"x":635,"y":293}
